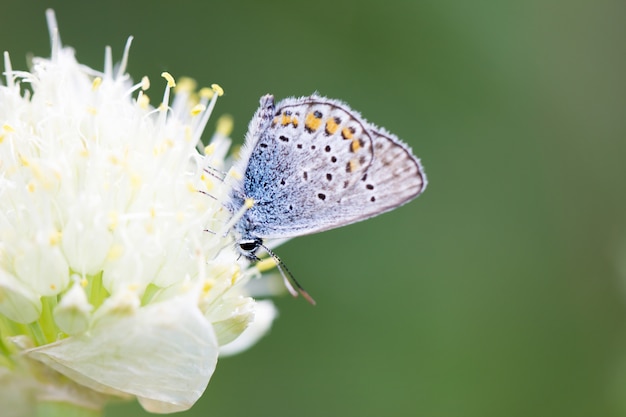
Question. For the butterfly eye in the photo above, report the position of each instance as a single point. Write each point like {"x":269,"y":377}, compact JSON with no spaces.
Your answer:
{"x":249,"y":245}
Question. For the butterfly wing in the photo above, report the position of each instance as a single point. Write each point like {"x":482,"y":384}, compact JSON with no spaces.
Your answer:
{"x":318,"y":165}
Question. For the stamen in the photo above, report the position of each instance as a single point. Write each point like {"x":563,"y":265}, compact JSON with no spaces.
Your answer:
{"x":8,"y":71}
{"x":53,"y":30}
{"x":207,"y":113}
{"x":108,"y":62}
{"x":122,"y":69}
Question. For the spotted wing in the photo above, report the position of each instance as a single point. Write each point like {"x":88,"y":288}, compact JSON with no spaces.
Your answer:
{"x":318,"y":165}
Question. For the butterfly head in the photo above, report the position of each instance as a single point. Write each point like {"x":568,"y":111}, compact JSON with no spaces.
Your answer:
{"x":248,"y":247}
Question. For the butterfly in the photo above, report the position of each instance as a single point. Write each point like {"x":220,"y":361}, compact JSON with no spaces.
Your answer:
{"x":312,"y":164}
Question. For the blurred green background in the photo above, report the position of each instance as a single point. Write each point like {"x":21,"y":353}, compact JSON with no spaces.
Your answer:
{"x":499,"y":292}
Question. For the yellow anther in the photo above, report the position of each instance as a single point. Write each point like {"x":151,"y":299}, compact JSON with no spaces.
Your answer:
{"x":143,"y":100}
{"x":209,"y":184}
{"x":209,"y":149}
{"x":145,"y":83}
{"x":92,"y":110}
{"x":84,"y":282}
{"x":248,"y":203}
{"x":96,"y":83}
{"x":266,"y":264}
{"x":23,"y":160}
{"x":235,"y":174}
{"x":206,"y":93}
{"x":8,"y":128}
{"x":186,"y":84}
{"x":115,"y":252}
{"x":170,"y":80}
{"x":207,"y":286}
{"x":197,"y":109}
{"x":55,"y":238}
{"x":135,"y":181}
{"x":114,"y":219}
{"x":219,"y":90}
{"x":225,"y":125}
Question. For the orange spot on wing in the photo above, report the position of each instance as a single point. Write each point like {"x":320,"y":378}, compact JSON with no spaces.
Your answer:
{"x":352,"y":166}
{"x":331,"y":126}
{"x":347,"y":132}
{"x":312,"y":123}
{"x":355,"y":145}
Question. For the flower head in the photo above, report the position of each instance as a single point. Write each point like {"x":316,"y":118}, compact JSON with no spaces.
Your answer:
{"x":116,"y":276}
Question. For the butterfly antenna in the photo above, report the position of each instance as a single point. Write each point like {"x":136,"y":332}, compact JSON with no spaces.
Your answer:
{"x":290,"y":280}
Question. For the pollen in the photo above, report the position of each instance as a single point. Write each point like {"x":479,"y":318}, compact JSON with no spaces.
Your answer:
{"x":23,"y":160}
{"x":186,"y":84}
{"x":114,"y":219}
{"x":145,"y":83}
{"x":115,"y":252}
{"x":209,"y":150}
{"x":55,"y":238}
{"x":235,"y":174}
{"x":225,"y":125}
{"x":235,"y":277}
{"x":206,"y":93}
{"x":266,"y":264}
{"x":168,"y":77}
{"x":208,"y":183}
{"x":143,"y":100}
{"x":96,"y":83}
{"x":249,"y":203}
{"x":197,"y":109}
{"x":219,"y":90}
{"x":136,"y":181}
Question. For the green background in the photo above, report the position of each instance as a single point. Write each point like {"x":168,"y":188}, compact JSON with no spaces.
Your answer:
{"x":499,"y":292}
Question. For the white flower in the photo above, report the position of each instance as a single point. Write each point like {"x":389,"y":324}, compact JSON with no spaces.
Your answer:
{"x":116,"y":275}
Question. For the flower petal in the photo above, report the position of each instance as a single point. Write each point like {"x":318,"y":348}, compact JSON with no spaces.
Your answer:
{"x":164,"y":354}
{"x":264,"y":315}
{"x":17,"y":301}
